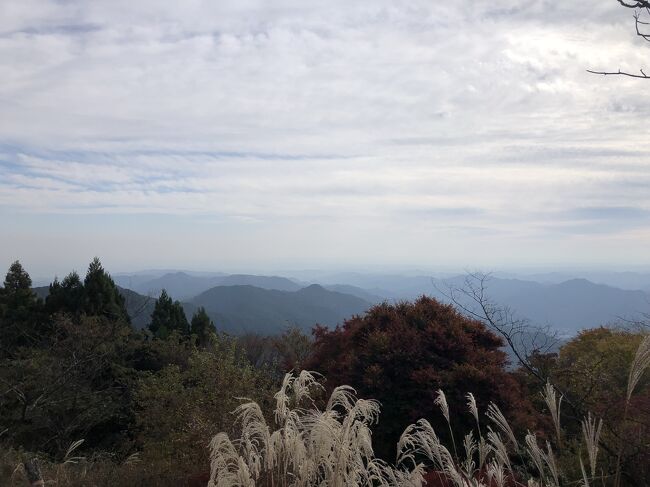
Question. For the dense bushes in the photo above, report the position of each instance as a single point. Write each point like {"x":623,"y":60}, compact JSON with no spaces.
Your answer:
{"x":180,"y":406}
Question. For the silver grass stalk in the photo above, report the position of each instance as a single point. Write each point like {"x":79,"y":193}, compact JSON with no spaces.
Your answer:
{"x":483,"y":451}
{"x":499,"y":449}
{"x":469,"y":444}
{"x":471,"y":405}
{"x":496,"y":473}
{"x":496,"y":416}
{"x":420,"y":439}
{"x":585,"y":481}
{"x":536,"y":454}
{"x":553,"y":404}
{"x":591,"y":432}
{"x":549,"y":459}
{"x":640,"y":363}
{"x":441,"y":401}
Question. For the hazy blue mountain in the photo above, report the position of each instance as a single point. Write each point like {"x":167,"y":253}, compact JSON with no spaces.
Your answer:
{"x":133,"y":281}
{"x":577,"y":304}
{"x":184,"y":286}
{"x":266,"y":304}
{"x":624,"y":280}
{"x":265,"y":282}
{"x":567,"y":306}
{"x":356,"y":291}
{"x":243,"y":309}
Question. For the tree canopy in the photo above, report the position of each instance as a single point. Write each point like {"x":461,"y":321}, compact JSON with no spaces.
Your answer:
{"x":202,"y":327}
{"x":401,"y":354}
{"x":102,"y":297}
{"x":168,"y":316}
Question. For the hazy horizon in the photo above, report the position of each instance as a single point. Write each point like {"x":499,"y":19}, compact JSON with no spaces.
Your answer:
{"x":610,"y":276}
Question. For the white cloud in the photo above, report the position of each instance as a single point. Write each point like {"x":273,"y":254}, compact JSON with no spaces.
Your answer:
{"x":421,"y":116}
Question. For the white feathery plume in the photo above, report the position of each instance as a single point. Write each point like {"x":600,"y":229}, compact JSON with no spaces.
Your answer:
{"x":640,"y":363}
{"x":497,"y":417}
{"x":496,"y":473}
{"x":468,"y":465}
{"x":549,"y":459}
{"x":591,"y":432}
{"x":441,"y":401}
{"x":471,"y":405}
{"x":499,"y":448}
{"x":536,"y":454}
{"x":553,"y":404}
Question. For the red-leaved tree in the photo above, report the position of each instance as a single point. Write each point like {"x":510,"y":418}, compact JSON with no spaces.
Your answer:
{"x":402,"y":354}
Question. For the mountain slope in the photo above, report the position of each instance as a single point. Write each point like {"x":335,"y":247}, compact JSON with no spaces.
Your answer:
{"x":576,"y":304}
{"x":244,"y":309}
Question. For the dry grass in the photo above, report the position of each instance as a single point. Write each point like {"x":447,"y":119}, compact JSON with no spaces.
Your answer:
{"x":333,"y":447}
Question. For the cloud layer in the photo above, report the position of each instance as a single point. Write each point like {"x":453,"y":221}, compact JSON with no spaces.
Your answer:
{"x":315,"y":133}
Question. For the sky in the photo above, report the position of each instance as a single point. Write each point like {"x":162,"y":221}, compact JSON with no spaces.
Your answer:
{"x":243,"y":135}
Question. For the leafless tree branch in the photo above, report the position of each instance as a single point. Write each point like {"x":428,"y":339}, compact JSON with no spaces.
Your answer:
{"x":639,"y":7}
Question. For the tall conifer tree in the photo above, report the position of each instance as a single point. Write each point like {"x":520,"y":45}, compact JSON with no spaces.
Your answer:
{"x":168,"y":316}
{"x":19,"y":308}
{"x":202,"y":326}
{"x":101,"y":295}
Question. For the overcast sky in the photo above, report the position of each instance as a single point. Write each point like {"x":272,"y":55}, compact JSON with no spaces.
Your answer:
{"x":243,"y":135}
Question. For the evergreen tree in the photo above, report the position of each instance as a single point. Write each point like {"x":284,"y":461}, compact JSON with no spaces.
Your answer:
{"x":66,"y":296}
{"x":17,"y":281}
{"x":18,"y":310}
{"x":101,"y":295}
{"x":168,"y":316}
{"x":202,"y":327}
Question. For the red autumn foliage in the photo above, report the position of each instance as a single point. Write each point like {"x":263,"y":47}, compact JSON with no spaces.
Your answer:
{"x":402,"y":354}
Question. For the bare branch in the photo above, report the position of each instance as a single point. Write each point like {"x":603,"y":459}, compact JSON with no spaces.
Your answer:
{"x":639,"y":7}
{"x":620,"y":73}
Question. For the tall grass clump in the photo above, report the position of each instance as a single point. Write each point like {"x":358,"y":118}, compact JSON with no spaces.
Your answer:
{"x":331,"y":445}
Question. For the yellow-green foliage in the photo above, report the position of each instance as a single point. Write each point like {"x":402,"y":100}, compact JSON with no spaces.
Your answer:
{"x":595,"y":366}
{"x":180,"y":407}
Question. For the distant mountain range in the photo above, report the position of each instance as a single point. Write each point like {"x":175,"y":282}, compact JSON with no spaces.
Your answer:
{"x":242,"y":303}
{"x":182,"y":285}
{"x":573,"y":305}
{"x":244,"y":309}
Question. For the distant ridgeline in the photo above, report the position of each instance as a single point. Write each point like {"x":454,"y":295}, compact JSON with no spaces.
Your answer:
{"x":243,"y":308}
{"x":242,"y":303}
